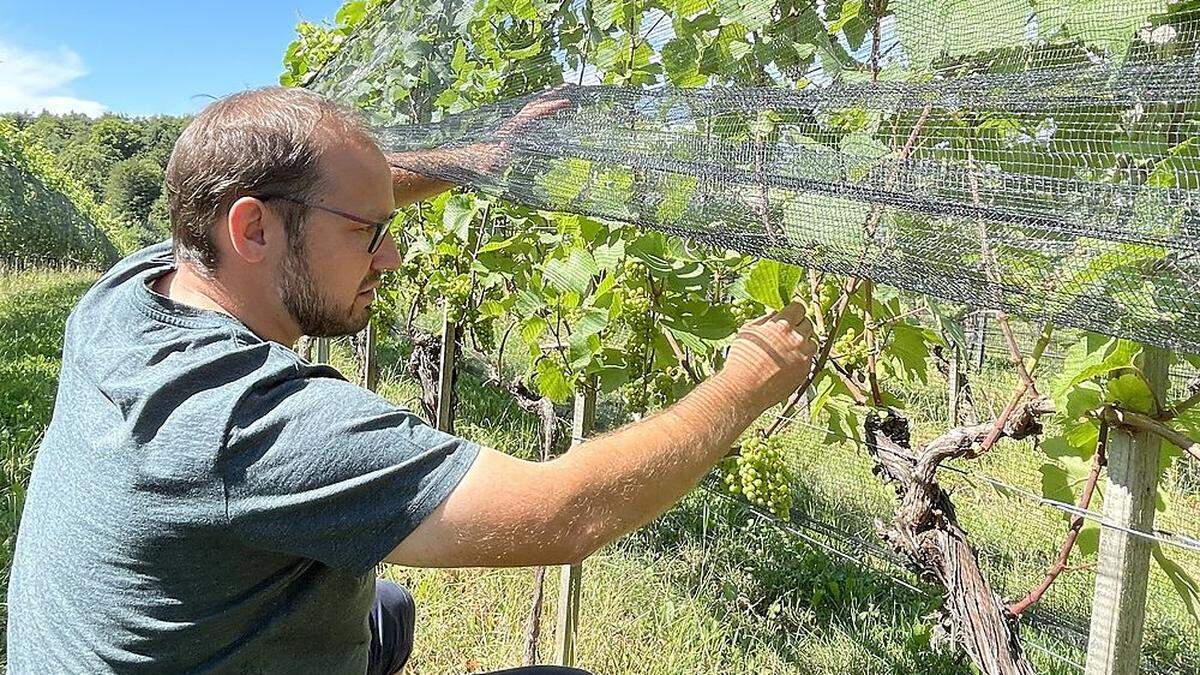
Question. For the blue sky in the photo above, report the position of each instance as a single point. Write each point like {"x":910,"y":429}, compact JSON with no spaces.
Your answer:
{"x":142,"y":58}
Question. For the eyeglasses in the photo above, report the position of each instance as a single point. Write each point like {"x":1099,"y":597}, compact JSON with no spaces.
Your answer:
{"x":376,"y":236}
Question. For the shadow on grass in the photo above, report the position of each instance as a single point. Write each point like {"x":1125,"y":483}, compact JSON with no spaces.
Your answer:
{"x":777,"y":586}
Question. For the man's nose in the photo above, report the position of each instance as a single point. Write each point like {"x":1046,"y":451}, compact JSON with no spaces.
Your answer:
{"x":388,"y":256}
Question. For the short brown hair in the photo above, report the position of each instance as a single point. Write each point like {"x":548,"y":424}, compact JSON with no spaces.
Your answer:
{"x":261,"y":141}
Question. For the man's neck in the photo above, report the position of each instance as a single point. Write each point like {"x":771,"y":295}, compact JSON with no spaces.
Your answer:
{"x":185,"y":286}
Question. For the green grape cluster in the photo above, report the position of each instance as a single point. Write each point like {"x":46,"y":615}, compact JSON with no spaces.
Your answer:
{"x":745,"y":309}
{"x":632,"y":269}
{"x":760,"y":473}
{"x":636,"y":302}
{"x":653,"y":389}
{"x":411,"y":271}
{"x":829,"y":293}
{"x":636,"y":395}
{"x":385,"y":311}
{"x":851,"y":349}
{"x":663,"y":386}
{"x":638,"y":319}
{"x":456,"y":291}
{"x":485,"y":334}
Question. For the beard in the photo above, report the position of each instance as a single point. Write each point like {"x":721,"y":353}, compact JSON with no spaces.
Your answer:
{"x":313,"y":313}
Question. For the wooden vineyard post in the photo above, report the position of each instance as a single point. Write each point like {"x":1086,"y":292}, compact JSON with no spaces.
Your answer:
{"x":371,"y":360}
{"x":570,"y":577}
{"x":445,"y":395}
{"x":1119,"y":601}
{"x":980,"y":347}
{"x":322,"y":350}
{"x":954,"y":383}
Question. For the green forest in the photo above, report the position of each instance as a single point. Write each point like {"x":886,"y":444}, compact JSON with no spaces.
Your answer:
{"x":110,"y":167}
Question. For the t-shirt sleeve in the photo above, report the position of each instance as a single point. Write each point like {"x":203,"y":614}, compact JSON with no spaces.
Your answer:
{"x":319,"y":468}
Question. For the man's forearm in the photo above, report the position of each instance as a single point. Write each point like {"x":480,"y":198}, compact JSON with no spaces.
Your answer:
{"x":412,"y":172}
{"x":622,"y":480}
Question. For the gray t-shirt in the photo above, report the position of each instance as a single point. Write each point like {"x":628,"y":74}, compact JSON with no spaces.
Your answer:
{"x":206,"y":501}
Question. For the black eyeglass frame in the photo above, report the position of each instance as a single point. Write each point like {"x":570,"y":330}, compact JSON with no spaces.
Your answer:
{"x":380,"y":226}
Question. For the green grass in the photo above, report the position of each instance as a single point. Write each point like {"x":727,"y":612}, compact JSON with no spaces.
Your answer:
{"x":706,"y":588}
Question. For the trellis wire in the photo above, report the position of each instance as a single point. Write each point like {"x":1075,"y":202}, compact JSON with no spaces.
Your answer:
{"x":1181,"y":542}
{"x":798,"y":522}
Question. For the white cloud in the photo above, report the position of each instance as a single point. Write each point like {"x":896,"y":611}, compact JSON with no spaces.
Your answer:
{"x":38,"y":80}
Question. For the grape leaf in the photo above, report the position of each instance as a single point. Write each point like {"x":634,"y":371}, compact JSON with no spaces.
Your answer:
{"x":948,"y":322}
{"x":573,"y":274}
{"x":1082,"y":399}
{"x":460,"y":210}
{"x":909,"y":348}
{"x":1077,"y":441}
{"x":532,"y":330}
{"x":1088,"y":542}
{"x":552,"y":381}
{"x":1109,"y":24}
{"x":1089,"y":358}
{"x":772,"y":283}
{"x":1056,"y":483}
{"x":930,"y":29}
{"x":1132,"y":393}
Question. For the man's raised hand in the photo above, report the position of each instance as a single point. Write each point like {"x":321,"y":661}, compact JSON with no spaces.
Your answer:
{"x":770,"y":357}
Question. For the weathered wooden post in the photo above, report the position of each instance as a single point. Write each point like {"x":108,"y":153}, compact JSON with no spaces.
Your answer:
{"x":980,"y":337}
{"x":571,"y":576}
{"x":954,"y":384}
{"x":1119,"y":601}
{"x":445,"y":396}
{"x":323,"y":350}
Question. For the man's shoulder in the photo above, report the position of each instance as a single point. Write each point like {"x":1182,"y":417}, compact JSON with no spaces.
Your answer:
{"x":287,"y":386}
{"x":107,"y":301}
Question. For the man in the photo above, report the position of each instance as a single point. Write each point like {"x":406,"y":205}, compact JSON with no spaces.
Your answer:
{"x":205,"y":500}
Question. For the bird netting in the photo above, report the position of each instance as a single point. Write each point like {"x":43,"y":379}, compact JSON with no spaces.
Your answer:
{"x":1036,"y":156}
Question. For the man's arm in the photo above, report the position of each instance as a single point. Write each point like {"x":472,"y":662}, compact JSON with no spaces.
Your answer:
{"x":510,"y":512}
{"x":409,"y":187}
{"x":411,"y":182}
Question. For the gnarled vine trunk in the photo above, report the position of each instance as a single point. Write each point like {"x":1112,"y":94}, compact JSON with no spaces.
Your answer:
{"x":423,"y":365}
{"x":925,"y":531}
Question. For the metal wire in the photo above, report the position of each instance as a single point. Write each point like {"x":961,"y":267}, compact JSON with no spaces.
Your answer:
{"x":1178,"y":541}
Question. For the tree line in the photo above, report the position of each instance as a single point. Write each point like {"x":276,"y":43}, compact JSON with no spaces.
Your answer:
{"x":120,"y":160}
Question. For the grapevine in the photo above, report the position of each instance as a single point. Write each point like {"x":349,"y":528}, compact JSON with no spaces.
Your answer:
{"x":637,"y":322}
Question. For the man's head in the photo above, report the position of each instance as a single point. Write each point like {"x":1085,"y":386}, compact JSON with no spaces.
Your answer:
{"x":246,"y":183}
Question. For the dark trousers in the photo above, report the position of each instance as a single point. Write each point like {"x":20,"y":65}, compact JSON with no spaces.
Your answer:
{"x":392,"y":620}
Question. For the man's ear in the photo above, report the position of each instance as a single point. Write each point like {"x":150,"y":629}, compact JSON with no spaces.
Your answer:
{"x":250,"y":228}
